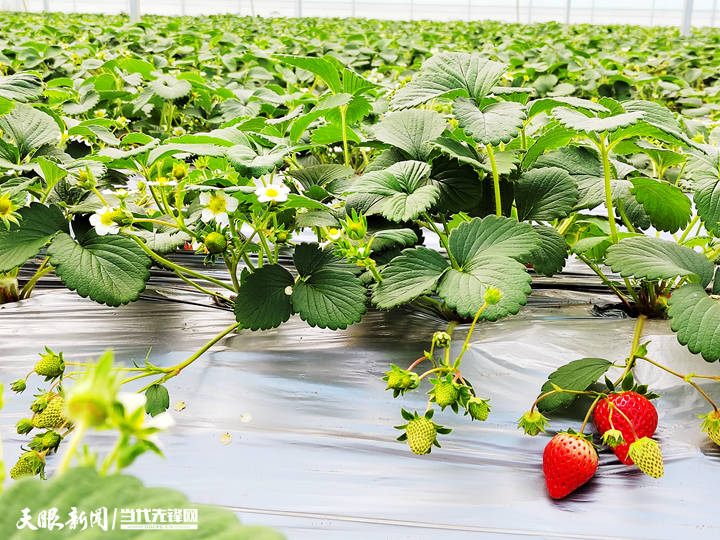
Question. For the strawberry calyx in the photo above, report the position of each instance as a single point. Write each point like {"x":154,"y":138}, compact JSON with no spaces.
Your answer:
{"x":533,"y":422}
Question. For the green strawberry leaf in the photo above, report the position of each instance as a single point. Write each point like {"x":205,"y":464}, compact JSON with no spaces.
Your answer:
{"x":157,"y":400}
{"x":652,"y":258}
{"x":546,"y":104}
{"x":413,"y":273}
{"x":83,"y":488}
{"x":411,"y":131}
{"x":492,"y":124}
{"x":21,"y":87}
{"x":450,"y":74}
{"x":169,"y":88}
{"x":249,"y":162}
{"x":163,"y":242}
{"x":404,"y":188}
{"x":490,"y":237}
{"x":550,"y":256}
{"x":464,"y":290}
{"x":544,"y":194}
{"x":263,"y":300}
{"x":329,"y":299}
{"x":462,"y":152}
{"x":704,"y":169}
{"x":459,"y":184}
{"x":320,"y":67}
{"x":321,"y":175}
{"x":554,"y":137}
{"x":39,"y":224}
{"x":576,"y":375}
{"x":332,"y":134}
{"x":393,"y":238}
{"x":667,"y":207}
{"x":695,"y":317}
{"x":109,"y":269}
{"x":29,"y":129}
{"x":5,"y":105}
{"x":578,"y":121}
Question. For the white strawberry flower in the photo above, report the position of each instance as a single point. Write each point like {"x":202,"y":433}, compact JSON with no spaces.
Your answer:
{"x":131,"y":401}
{"x":103,"y":222}
{"x":216,"y":206}
{"x":272,"y":192}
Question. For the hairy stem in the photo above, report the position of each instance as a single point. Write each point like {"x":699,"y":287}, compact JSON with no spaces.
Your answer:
{"x":496,"y":180}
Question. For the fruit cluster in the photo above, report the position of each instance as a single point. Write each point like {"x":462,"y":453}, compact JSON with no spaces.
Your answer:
{"x":49,"y":416}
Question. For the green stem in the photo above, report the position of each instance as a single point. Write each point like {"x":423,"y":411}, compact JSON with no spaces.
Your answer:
{"x":111,"y":457}
{"x":177,"y":267}
{"x":157,"y":222}
{"x":686,"y":378}
{"x":201,"y":288}
{"x":80,"y":430}
{"x":496,"y":180}
{"x":604,"y":278}
{"x":373,"y":270}
{"x":434,"y":370}
{"x":175,"y":370}
{"x":589,"y":412}
{"x":688,"y":229}
{"x":266,"y":247}
{"x":443,"y":239}
{"x":232,"y":270}
{"x":633,"y":348}
{"x":608,"y":191}
{"x":343,"y":120}
{"x":623,"y":216}
{"x":39,"y":273}
{"x":566,"y":224}
{"x":466,"y":344}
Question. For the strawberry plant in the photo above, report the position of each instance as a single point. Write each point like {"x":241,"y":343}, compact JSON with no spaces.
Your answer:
{"x":322,"y":173}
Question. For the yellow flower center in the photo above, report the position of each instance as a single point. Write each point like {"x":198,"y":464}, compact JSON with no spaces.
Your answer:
{"x":107,"y":219}
{"x":216,"y":204}
{"x":272,"y":192}
{"x":5,"y":206}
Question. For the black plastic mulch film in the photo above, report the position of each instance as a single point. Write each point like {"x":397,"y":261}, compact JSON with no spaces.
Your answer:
{"x":318,"y":458}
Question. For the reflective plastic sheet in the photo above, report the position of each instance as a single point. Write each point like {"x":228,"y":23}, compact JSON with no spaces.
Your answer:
{"x":318,"y":458}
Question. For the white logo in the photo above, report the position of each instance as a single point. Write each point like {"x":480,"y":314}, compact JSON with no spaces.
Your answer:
{"x":103,"y":519}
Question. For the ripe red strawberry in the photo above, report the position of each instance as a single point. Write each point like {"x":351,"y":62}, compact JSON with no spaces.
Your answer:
{"x":639,"y":410}
{"x":569,"y":461}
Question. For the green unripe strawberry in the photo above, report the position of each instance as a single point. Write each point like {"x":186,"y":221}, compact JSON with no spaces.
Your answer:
{"x":50,"y":365}
{"x":18,"y":386}
{"x":646,"y":454}
{"x":29,"y":464}
{"x":410,"y":381}
{"x":179,"y":171}
{"x":39,"y":404}
{"x":122,"y":217}
{"x":53,"y":416}
{"x":395,"y":379}
{"x":446,"y":393}
{"x":478,"y":409}
{"x":421,"y":434}
{"x":399,"y":380}
{"x":492,"y":296}
{"x":711,"y":426}
{"x":442,"y":339}
{"x":215,"y":242}
{"x":46,"y":441}
{"x":24,"y":426}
